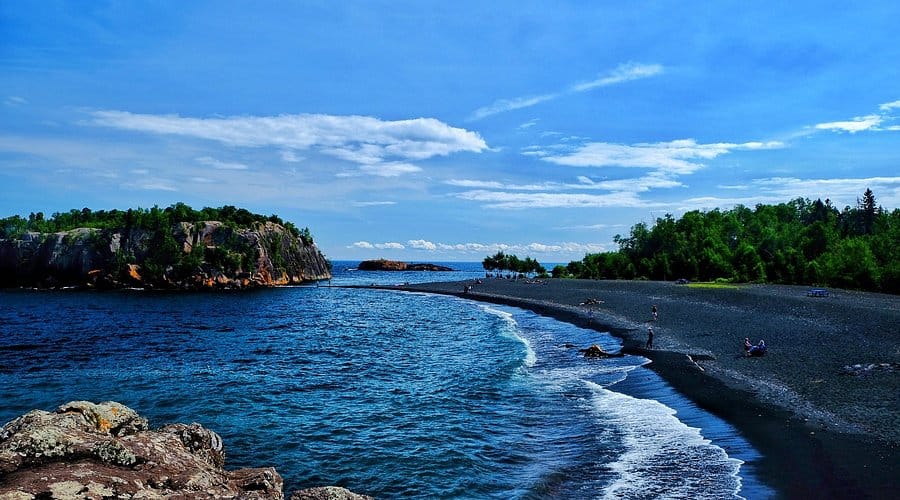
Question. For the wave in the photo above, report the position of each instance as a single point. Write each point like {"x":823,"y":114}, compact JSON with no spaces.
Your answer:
{"x":662,"y":457}
{"x":512,"y":330}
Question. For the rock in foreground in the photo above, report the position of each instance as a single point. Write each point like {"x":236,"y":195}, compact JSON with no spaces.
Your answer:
{"x":106,"y":450}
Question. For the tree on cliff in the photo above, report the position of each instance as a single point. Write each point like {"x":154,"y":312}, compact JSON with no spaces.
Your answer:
{"x":166,"y":248}
{"x":141,"y":218}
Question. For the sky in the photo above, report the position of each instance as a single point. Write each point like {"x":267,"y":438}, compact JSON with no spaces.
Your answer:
{"x":448,"y":131}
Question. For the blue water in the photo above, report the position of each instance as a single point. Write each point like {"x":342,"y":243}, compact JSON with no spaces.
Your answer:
{"x":387,"y":393}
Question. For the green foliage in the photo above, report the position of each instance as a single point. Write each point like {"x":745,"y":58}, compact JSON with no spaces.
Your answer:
{"x":799,"y":242}
{"x":167,"y":260}
{"x":501,"y":262}
{"x":140,"y":218}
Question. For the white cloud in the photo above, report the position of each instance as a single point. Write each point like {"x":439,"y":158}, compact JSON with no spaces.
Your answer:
{"x":529,"y":124}
{"x":221,"y":165}
{"x":373,"y":203}
{"x":623,"y":73}
{"x":422,"y":245}
{"x":381,"y":246}
{"x":522,"y":200}
{"x":858,"y":124}
{"x":674,"y":157}
{"x":637,"y":184}
{"x":558,"y":250}
{"x":864,"y":123}
{"x":15,"y":100}
{"x":291,"y":156}
{"x":889,"y":106}
{"x":504,"y":105}
{"x":360,"y":139}
{"x":774,"y":190}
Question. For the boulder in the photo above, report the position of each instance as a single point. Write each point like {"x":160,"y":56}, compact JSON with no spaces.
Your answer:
{"x":87,"y":450}
{"x":328,"y":493}
{"x":596,"y":351}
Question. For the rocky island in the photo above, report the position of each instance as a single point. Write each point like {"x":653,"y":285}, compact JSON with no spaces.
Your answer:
{"x":158,"y":249}
{"x":107,"y":450}
{"x":393,"y":265}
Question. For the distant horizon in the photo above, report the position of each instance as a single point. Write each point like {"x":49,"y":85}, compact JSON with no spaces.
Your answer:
{"x":432,"y":132}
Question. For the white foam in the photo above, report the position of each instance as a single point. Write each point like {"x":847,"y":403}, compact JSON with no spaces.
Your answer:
{"x":662,"y":457}
{"x":513,"y":331}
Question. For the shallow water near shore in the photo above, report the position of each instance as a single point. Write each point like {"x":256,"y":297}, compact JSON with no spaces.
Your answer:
{"x":387,"y":393}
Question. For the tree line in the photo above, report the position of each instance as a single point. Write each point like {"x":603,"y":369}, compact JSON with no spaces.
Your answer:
{"x":798,"y":242}
{"x":501,"y":262}
{"x":140,"y":218}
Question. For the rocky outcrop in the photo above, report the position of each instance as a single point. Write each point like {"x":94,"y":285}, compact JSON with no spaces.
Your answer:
{"x":106,"y":450}
{"x":187,"y":256}
{"x":595,"y":351}
{"x":393,"y":265}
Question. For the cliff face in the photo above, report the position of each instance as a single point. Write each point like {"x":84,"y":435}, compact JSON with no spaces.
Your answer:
{"x":187,"y":256}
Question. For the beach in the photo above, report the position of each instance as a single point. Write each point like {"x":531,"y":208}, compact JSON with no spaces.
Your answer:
{"x":822,"y":406}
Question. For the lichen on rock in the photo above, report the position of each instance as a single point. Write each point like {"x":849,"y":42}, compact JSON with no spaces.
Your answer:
{"x":106,"y":450}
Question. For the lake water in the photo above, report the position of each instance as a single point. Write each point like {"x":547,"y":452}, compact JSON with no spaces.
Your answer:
{"x":391,"y":394}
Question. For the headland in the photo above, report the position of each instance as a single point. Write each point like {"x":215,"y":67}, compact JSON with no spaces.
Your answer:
{"x":822,"y":406}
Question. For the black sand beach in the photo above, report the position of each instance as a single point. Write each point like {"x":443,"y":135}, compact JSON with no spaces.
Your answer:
{"x":824,"y":431}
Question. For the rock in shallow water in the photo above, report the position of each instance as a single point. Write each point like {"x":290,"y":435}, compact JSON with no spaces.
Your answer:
{"x":106,"y":450}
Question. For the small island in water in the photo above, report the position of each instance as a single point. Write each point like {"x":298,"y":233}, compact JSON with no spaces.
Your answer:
{"x":393,"y":265}
{"x":176,"y":248}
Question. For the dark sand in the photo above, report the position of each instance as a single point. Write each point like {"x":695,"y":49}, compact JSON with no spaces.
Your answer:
{"x":823,"y":433}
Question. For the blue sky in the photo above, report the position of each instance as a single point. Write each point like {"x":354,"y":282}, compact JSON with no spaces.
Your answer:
{"x":435,"y":131}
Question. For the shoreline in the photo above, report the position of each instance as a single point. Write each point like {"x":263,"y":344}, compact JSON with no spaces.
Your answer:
{"x":821,"y":431}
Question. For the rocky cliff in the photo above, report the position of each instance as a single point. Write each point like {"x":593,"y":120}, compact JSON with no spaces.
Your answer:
{"x":107,"y":450}
{"x":186,"y":256}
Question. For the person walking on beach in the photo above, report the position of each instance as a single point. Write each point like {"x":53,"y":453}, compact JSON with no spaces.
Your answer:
{"x":649,"y":337}
{"x":654,"y":312}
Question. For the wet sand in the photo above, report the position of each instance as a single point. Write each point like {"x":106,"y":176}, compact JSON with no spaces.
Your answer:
{"x":823,"y":431}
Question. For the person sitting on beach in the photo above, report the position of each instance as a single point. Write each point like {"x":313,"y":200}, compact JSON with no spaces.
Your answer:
{"x":747,"y":346}
{"x":758,"y":349}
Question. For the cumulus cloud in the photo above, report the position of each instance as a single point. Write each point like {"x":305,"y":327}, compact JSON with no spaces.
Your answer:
{"x":681,"y":157}
{"x":384,"y":146}
{"x":480,"y":249}
{"x":623,"y":73}
{"x":380,"y":246}
{"x":422,"y":245}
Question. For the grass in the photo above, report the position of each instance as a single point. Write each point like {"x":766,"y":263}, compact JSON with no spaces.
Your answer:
{"x":713,"y":285}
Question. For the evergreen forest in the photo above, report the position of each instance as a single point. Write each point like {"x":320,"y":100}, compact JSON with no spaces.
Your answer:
{"x":141,"y":218}
{"x":799,"y":242}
